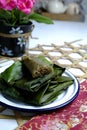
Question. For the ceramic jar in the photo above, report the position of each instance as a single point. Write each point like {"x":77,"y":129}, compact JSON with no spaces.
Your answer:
{"x":14,"y":39}
{"x":56,"y":6}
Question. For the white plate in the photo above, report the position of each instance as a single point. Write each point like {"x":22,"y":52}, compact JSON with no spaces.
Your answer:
{"x":63,"y":99}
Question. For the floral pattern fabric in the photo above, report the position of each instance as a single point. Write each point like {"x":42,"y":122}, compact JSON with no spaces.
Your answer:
{"x":71,"y":117}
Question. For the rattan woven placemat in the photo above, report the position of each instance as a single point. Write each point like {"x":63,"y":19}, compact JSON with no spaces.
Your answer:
{"x":69,"y":55}
{"x":74,"y":58}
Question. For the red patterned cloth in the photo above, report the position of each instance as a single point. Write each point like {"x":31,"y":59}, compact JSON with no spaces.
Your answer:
{"x":71,"y":117}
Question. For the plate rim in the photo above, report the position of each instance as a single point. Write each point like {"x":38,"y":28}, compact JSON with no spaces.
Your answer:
{"x":49,"y":108}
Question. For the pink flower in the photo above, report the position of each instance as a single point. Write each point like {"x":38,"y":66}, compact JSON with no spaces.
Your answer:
{"x":2,"y":3}
{"x":25,"y":5}
{"x":8,"y":4}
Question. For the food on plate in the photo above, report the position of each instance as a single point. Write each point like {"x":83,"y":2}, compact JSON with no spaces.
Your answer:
{"x":19,"y":82}
{"x":38,"y":66}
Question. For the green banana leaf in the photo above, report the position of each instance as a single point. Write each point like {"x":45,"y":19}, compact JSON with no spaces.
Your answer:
{"x":3,"y":84}
{"x":45,"y":94}
{"x":34,"y":84}
{"x":12,"y":93}
{"x":16,"y":84}
{"x":49,"y":93}
{"x":43,"y":59}
{"x":14,"y":72}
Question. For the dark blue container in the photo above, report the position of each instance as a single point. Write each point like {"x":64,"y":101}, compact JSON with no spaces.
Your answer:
{"x":14,"y":39}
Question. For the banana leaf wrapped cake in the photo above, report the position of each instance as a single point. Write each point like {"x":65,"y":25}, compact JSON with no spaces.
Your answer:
{"x":33,"y":80}
{"x":38,"y":66}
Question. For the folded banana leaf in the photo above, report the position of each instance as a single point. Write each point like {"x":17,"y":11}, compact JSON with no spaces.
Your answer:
{"x":12,"y":93}
{"x":3,"y":84}
{"x":16,"y":84}
{"x":38,"y":66}
{"x":49,"y":92}
{"x":45,"y":95}
{"x":35,"y":84}
{"x":43,"y":59}
{"x":14,"y":72}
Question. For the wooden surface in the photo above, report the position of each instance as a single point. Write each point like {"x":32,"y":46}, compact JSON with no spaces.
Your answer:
{"x":64,"y":17}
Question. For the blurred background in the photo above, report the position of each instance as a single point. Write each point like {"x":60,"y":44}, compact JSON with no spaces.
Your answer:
{"x":82,"y":4}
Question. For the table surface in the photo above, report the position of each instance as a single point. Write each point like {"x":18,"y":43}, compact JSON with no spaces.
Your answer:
{"x":59,"y":33}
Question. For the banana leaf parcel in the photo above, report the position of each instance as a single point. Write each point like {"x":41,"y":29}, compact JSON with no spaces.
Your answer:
{"x":17,"y":82}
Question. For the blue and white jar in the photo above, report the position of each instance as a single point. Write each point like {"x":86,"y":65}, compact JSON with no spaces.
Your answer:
{"x":14,"y":39}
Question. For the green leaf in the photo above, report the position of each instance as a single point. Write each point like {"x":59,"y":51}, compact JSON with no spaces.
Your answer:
{"x":42,"y":58}
{"x":14,"y":72}
{"x":13,"y":94}
{"x":16,"y":84}
{"x":39,"y":18}
{"x":17,"y":17}
{"x":34,"y":84}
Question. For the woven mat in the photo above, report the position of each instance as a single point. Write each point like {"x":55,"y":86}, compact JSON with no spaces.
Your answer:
{"x":71,"y":56}
{"x":68,"y":55}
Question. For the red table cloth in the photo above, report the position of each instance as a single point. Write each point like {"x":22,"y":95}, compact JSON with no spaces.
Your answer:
{"x":71,"y":117}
